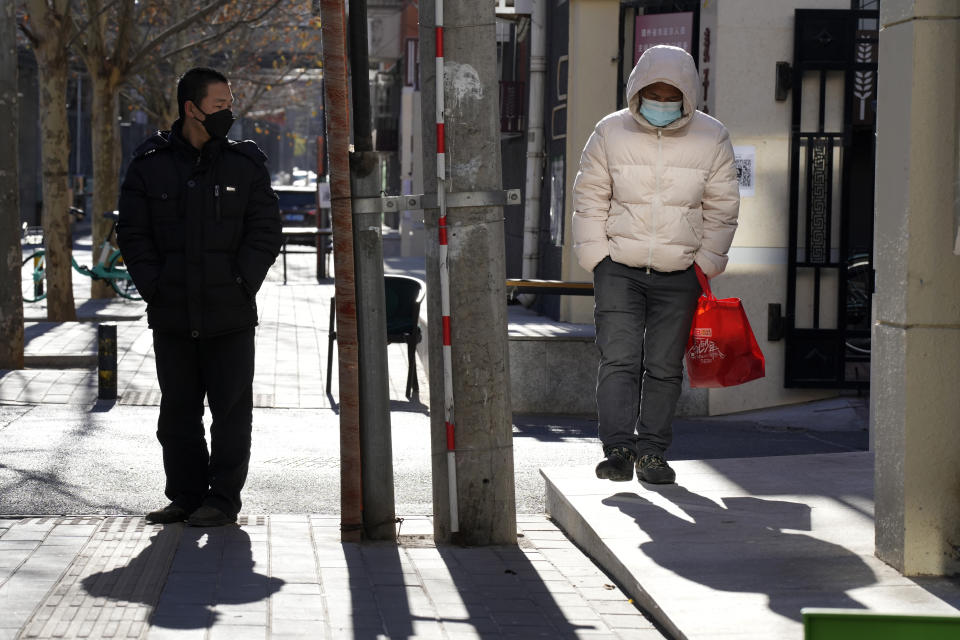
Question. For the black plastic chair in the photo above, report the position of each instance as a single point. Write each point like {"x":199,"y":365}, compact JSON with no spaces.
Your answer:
{"x":403,"y":296}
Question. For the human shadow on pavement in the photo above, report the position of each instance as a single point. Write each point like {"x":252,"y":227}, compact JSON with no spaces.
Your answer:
{"x":192,"y":577}
{"x":744,"y":545}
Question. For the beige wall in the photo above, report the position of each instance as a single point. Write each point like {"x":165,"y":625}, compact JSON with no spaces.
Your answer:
{"x":591,"y":94}
{"x":750,"y":38}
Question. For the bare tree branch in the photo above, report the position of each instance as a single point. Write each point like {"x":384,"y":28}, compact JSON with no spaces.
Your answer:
{"x":121,"y":49}
{"x":212,"y":37}
{"x":180,"y":26}
{"x":79,"y":30}
{"x":29,"y":34}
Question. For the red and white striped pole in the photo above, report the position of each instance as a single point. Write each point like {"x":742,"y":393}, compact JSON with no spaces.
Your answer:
{"x":445,"y":280}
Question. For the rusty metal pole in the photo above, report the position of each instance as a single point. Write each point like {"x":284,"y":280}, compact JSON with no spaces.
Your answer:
{"x":376,"y":448}
{"x":337,"y":112}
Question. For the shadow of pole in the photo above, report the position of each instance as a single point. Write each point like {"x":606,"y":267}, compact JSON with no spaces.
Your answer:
{"x":503,"y":593}
{"x":422,"y":590}
{"x":379,"y":594}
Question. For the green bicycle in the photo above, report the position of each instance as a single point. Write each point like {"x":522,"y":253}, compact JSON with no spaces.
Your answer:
{"x":109,"y":267}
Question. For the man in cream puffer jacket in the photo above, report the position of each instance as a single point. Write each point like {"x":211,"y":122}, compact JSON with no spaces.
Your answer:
{"x":656,"y":193}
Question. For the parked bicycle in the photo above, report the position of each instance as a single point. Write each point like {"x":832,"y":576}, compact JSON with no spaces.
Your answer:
{"x":109,"y":267}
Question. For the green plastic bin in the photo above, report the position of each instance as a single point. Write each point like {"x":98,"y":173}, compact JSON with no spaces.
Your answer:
{"x":858,"y":624}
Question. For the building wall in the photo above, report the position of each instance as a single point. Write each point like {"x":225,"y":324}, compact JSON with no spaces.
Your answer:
{"x":916,"y":331}
{"x":592,"y":94}
{"x":747,"y":39}
{"x":743,"y":99}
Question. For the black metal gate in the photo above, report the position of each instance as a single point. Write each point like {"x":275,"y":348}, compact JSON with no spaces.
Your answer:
{"x":830,"y":259}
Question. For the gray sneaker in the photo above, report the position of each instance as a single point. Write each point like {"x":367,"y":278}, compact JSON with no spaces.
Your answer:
{"x":655,"y":470}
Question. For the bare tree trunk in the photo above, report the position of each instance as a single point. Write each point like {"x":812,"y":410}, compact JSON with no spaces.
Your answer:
{"x":55,"y":149}
{"x":11,"y":302}
{"x":338,"y":124}
{"x":106,"y":164}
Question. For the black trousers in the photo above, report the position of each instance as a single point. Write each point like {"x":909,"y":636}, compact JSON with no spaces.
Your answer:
{"x":220,"y":368}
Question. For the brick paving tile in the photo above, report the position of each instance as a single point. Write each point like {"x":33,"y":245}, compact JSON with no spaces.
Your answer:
{"x":300,"y":632}
{"x":625,"y":623}
{"x":638,"y":634}
{"x":238,"y":632}
{"x":161,"y":633}
{"x":593,"y":593}
{"x":300,"y":588}
{"x":181,"y":616}
{"x":243,"y":614}
{"x":297,"y":607}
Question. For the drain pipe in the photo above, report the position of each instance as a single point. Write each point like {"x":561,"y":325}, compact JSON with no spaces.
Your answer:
{"x":535,"y":146}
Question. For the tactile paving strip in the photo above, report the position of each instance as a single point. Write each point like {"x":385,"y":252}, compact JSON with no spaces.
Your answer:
{"x":111,"y":588}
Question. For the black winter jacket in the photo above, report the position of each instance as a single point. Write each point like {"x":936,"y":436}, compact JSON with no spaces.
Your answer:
{"x":198,"y":232}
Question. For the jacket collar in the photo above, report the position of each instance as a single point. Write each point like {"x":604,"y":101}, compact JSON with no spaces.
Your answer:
{"x":211,"y":150}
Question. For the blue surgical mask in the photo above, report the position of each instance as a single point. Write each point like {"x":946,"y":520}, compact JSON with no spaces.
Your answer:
{"x":660,"y":114}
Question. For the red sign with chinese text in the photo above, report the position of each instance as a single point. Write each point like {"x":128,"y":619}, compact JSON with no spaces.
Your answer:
{"x":663,"y":28}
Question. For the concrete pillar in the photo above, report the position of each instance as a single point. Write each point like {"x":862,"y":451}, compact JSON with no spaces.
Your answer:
{"x":915,"y":405}
{"x":476,"y":263}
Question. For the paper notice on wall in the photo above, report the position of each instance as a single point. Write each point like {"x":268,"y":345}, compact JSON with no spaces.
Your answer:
{"x":745,"y":161}
{"x":323,"y":194}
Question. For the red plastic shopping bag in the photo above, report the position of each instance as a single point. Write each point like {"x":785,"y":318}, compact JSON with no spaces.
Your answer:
{"x":722,"y":350}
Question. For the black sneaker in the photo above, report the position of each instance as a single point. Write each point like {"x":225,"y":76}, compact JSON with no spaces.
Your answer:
{"x":169,"y":514}
{"x":655,"y":470}
{"x":207,"y":516}
{"x":617,"y":466}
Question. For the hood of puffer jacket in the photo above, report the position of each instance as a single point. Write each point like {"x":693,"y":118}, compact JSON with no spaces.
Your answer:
{"x":671,"y":65}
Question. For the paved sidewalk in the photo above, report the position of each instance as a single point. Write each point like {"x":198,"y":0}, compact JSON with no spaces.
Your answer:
{"x":289,"y":576}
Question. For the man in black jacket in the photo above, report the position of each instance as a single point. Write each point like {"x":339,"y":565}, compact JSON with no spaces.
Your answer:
{"x":199,"y":228}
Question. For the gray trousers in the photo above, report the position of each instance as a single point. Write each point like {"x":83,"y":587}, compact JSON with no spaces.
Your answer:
{"x":643,"y":323}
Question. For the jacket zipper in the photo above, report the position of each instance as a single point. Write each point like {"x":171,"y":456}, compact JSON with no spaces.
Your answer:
{"x":216,"y":200}
{"x":656,"y":202}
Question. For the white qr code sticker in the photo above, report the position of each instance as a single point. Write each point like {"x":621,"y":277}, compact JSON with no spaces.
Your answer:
{"x":745,"y":162}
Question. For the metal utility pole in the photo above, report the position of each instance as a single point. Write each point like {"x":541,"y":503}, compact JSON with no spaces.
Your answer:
{"x":337,"y":113}
{"x":479,"y":432}
{"x":379,"y":512}
{"x":11,"y":302}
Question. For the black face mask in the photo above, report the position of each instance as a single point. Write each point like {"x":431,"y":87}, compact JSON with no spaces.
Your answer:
{"x":217,"y":123}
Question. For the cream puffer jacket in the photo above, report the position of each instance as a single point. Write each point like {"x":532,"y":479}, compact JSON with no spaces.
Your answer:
{"x":657,"y":197}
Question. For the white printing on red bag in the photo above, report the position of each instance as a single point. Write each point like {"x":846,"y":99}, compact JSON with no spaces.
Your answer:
{"x":703,"y":350}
